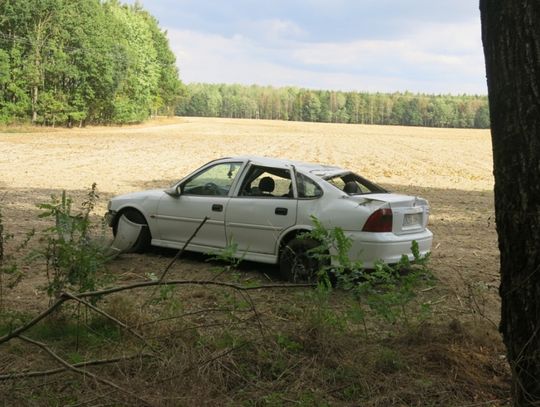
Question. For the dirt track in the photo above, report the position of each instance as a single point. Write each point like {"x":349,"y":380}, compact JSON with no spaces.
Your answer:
{"x":452,"y":168}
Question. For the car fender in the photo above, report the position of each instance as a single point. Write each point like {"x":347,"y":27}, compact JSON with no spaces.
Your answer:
{"x":291,"y":230}
{"x":146,"y":207}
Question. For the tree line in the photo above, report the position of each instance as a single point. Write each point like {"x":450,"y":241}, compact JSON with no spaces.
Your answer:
{"x":290,"y":103}
{"x":66,"y":62}
{"x":70,"y":62}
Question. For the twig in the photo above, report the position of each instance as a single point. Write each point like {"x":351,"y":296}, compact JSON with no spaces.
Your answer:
{"x":176,"y":257}
{"x":248,"y":298}
{"x":50,"y":372}
{"x":82,"y":372}
{"x":181,"y":251}
{"x":34,"y":321}
{"x":186,"y":314}
{"x":144,"y":284}
{"x":203,"y":363}
{"x":110,"y":317}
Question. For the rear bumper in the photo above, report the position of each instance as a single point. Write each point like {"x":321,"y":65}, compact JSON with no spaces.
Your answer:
{"x":388,"y":247}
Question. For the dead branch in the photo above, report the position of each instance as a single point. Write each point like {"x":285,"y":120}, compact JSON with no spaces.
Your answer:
{"x":64,"y":296}
{"x":50,"y":372}
{"x":144,"y":284}
{"x":82,"y":372}
{"x":34,"y":321}
{"x":181,"y":251}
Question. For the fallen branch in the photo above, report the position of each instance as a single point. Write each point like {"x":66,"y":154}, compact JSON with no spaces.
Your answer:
{"x":82,"y":372}
{"x":50,"y":372}
{"x":110,"y":317}
{"x":144,"y":284}
{"x":65,"y":296}
{"x":34,"y":321}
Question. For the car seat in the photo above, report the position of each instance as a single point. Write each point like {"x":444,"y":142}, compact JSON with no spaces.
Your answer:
{"x":351,"y":187}
{"x":266,"y":186}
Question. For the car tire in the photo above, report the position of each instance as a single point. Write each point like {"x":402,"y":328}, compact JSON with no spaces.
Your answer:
{"x":297,"y":264}
{"x":143,"y":241}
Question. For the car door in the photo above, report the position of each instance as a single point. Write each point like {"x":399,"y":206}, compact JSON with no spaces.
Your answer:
{"x":204,"y":194}
{"x":261,"y":210}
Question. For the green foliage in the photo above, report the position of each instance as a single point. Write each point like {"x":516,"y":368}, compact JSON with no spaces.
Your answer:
{"x":386,"y":290}
{"x":229,"y":259}
{"x":73,"y":258}
{"x":66,"y":62}
{"x":258,"y":102}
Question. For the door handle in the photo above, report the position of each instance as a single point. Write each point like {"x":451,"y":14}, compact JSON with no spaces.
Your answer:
{"x":217,"y":207}
{"x":281,"y":211}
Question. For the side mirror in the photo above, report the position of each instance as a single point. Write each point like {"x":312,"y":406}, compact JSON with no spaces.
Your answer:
{"x":175,"y":192}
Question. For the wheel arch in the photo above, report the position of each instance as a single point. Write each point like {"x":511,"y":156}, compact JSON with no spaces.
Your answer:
{"x":124,"y":209}
{"x":292,"y":234}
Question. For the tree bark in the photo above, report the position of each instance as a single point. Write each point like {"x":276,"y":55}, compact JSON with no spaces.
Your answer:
{"x":511,"y":38}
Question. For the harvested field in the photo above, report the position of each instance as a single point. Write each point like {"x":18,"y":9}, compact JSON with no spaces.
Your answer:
{"x":452,"y":168}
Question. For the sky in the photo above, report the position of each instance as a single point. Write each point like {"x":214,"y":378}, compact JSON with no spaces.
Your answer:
{"x":421,"y":46}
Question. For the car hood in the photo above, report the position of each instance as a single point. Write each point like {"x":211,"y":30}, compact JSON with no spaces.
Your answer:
{"x":138,"y":196}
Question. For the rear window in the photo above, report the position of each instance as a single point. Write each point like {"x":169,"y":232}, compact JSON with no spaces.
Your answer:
{"x":354,"y":184}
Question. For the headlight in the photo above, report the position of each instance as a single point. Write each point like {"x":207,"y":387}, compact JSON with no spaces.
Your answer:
{"x":109,"y":205}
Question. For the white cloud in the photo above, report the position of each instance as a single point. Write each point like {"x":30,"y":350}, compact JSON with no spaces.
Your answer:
{"x":277,"y":29}
{"x":437,"y":58}
{"x":435,"y":48}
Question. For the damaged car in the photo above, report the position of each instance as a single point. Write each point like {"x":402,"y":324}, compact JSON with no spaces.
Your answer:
{"x":264,"y":206}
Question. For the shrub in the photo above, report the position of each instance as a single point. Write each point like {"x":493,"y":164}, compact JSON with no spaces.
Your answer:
{"x":73,"y":258}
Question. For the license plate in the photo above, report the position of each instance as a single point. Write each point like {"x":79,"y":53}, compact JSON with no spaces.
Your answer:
{"x":412,"y":219}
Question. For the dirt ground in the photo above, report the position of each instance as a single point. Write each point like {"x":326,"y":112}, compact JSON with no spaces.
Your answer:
{"x":452,"y":168}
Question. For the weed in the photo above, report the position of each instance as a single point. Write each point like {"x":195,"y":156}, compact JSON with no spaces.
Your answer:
{"x":228,"y":256}
{"x":288,"y":344}
{"x":386,"y":290}
{"x":73,"y":258}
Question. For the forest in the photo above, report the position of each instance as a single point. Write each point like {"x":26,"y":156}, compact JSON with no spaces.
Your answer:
{"x":71,"y":63}
{"x":67,"y":62}
{"x":290,"y":103}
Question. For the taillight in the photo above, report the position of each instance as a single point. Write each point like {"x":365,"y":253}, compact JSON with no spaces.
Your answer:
{"x":379,"y":221}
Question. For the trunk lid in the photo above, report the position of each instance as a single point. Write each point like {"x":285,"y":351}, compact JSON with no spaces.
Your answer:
{"x":410,"y":214}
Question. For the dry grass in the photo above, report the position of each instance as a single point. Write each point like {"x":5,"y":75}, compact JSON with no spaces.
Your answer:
{"x":302,"y":360}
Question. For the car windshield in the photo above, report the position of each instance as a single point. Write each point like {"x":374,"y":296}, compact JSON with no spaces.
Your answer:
{"x":353,"y":184}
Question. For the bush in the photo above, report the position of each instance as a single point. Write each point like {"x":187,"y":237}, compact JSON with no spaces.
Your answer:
{"x":73,"y":259}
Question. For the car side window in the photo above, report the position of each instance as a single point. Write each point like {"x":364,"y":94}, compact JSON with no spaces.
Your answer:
{"x":307,"y":188}
{"x":216,"y":180}
{"x":263,"y":182}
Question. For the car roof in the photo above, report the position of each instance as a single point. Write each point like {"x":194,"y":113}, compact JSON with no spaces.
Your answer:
{"x":319,"y":170}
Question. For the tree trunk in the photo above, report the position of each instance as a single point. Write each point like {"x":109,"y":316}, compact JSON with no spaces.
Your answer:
{"x":511,"y":37}
{"x":35,"y":93}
